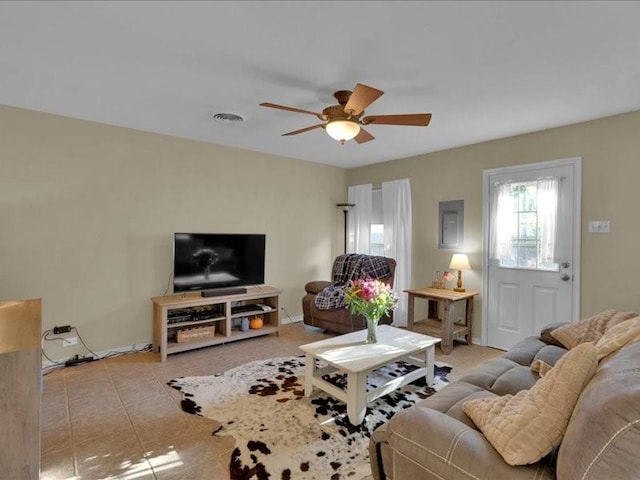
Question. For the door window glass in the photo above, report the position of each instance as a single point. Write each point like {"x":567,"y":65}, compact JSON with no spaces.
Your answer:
{"x":525,"y":214}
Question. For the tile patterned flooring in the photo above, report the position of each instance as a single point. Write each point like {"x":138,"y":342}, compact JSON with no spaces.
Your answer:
{"x":117,"y":418}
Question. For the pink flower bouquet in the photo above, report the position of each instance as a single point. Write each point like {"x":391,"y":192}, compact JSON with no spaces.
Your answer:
{"x":372,"y":299}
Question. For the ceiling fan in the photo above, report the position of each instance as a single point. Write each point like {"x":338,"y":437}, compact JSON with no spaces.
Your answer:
{"x":344,"y":121}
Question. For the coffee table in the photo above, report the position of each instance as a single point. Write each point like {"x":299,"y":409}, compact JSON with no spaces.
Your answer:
{"x":350,"y":354}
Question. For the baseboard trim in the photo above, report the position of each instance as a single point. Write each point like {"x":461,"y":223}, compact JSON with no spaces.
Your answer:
{"x":141,"y":346}
{"x":296,"y":319}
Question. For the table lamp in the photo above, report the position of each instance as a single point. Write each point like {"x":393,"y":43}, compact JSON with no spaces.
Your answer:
{"x":459,"y":262}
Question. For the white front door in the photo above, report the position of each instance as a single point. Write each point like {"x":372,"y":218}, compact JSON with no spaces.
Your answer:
{"x":532,"y":240}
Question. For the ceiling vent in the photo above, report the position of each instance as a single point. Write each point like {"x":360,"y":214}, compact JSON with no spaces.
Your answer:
{"x":228,"y":118}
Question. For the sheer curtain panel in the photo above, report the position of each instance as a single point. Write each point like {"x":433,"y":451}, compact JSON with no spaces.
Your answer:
{"x":547,"y":215}
{"x":359,"y":220}
{"x":504,"y":225}
{"x":396,"y":208}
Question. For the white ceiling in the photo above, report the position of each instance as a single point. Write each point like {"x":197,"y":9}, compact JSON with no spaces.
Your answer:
{"x":485,"y":70}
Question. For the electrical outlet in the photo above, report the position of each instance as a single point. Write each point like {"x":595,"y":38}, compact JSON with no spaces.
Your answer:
{"x":600,"y":226}
{"x":67,"y":342}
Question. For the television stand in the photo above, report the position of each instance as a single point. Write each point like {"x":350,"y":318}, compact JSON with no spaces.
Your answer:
{"x":188,"y":321}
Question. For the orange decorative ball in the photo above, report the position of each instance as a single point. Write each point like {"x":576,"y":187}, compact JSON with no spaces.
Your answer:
{"x":256,"y":322}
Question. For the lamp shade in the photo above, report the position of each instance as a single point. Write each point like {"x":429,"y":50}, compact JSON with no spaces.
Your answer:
{"x":342,"y":130}
{"x":459,"y":261}
{"x":345,"y":207}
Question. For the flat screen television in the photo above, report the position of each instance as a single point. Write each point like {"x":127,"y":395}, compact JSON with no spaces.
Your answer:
{"x":203,"y":261}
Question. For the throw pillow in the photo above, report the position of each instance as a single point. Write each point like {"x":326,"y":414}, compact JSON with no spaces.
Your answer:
{"x":545,"y":333}
{"x":585,"y":330}
{"x":620,"y":317}
{"x":618,"y":336}
{"x":525,"y":427}
{"x":540,"y":367}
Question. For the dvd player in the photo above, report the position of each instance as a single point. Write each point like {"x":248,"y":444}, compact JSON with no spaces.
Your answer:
{"x":244,"y":308}
{"x":179,"y":319}
{"x":179,"y":315}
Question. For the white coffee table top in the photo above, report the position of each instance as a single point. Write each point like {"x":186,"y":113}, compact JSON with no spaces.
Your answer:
{"x":350,"y":353}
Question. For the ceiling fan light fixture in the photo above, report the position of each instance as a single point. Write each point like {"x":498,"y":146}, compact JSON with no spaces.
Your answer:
{"x":342,"y":130}
{"x":342,"y":121}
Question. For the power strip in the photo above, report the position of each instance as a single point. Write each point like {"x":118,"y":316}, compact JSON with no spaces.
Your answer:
{"x":78,"y":360}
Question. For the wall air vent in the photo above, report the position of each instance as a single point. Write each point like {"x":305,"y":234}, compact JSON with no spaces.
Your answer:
{"x":228,"y":118}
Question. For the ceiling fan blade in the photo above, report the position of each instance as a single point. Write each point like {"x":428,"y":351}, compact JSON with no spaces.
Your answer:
{"x":361,"y":98}
{"x":415,"y":119}
{"x":302,"y":130}
{"x":363,"y":136}
{"x":292,"y":109}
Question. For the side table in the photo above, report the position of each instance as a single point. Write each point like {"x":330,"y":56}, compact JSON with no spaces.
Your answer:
{"x":445,"y":328}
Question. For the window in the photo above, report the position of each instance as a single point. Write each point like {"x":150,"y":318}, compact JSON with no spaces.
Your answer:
{"x":376,"y":246}
{"x":526,"y":224}
{"x":376,"y":241}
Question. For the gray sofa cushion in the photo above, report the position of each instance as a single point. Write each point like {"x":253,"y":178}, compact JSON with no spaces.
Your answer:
{"x":450,"y":400}
{"x":525,"y":351}
{"x":550,"y":354}
{"x":514,"y":380}
{"x":501,"y":376}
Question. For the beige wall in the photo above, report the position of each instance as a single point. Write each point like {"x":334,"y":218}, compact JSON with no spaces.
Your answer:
{"x":610,"y":151}
{"x":88,"y":213}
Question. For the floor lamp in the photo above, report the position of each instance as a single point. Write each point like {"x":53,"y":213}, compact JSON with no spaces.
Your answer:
{"x":345,"y":208}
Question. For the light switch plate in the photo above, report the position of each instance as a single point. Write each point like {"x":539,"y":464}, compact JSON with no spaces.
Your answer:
{"x":600,"y":226}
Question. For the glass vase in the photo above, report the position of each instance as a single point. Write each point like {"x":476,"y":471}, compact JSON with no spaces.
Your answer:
{"x":372,"y":330}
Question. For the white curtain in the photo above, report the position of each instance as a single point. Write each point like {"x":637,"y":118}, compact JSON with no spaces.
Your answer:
{"x":503,"y":222}
{"x":547,"y":215}
{"x":562,"y":235}
{"x":396,"y":211}
{"x":359,"y":219}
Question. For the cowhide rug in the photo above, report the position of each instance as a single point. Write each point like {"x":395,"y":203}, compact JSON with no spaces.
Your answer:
{"x":280,"y":433}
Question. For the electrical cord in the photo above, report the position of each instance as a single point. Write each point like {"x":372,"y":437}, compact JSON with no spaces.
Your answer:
{"x":55,"y":364}
{"x":116,"y":353}
{"x":287,"y":314}
{"x":46,"y":336}
{"x":112,"y":353}
{"x":96,"y":356}
{"x":166,"y":290}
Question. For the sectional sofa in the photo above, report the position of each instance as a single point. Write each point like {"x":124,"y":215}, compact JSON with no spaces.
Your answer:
{"x":436,"y":439}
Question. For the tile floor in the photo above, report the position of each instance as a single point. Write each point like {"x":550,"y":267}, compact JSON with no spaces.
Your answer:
{"x":117,"y":418}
